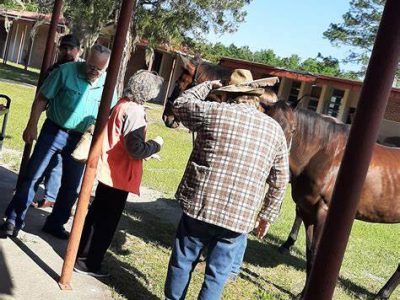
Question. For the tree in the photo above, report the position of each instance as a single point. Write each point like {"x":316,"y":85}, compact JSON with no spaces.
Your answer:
{"x":170,"y":22}
{"x":322,"y":65}
{"x":87,"y":18}
{"x":358,"y":29}
{"x":292,"y":62}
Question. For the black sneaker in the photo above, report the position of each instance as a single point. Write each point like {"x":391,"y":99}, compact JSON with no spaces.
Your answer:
{"x":82,"y":269}
{"x":58,"y":232}
{"x":8,"y":229}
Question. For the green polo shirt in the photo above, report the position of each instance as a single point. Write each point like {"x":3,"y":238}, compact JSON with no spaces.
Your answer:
{"x":73,"y":100}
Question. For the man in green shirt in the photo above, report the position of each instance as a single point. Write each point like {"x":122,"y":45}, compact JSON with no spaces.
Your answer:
{"x":71,"y":96}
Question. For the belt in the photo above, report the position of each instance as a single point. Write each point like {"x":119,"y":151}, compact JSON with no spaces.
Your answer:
{"x":69,"y":131}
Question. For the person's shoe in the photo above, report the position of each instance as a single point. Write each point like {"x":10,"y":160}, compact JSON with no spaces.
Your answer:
{"x":45,"y":203}
{"x":9,"y":229}
{"x":60,"y":232}
{"x":42,"y":204}
{"x":35,"y":204}
{"x":82,"y":269}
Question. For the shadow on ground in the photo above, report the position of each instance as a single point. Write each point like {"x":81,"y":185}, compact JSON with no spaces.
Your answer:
{"x":34,"y":221}
{"x":6,"y":284}
{"x":155,"y":228}
{"x":125,"y":280}
{"x":8,"y":72}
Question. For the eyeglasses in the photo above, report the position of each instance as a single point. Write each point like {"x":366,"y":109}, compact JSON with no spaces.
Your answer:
{"x":94,"y":68}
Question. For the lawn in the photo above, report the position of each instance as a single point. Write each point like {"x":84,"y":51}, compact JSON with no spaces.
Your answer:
{"x":139,"y":255}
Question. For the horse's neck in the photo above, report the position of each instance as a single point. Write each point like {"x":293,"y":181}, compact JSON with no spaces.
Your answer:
{"x":301,"y":154}
{"x":309,"y":149}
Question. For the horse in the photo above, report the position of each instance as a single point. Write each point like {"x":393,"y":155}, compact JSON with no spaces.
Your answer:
{"x":316,"y":151}
{"x":193,"y":72}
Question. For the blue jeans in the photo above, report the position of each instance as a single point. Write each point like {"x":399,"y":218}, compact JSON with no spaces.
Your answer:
{"x":52,"y":141}
{"x":192,"y":236}
{"x":237,"y":262}
{"x":52,"y":178}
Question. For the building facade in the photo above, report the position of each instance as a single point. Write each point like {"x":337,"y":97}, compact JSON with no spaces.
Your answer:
{"x":16,"y":44}
{"x":331,"y":96}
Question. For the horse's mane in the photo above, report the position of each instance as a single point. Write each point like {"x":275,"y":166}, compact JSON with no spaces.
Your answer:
{"x":283,"y":114}
{"x":209,"y":71}
{"x":312,"y":126}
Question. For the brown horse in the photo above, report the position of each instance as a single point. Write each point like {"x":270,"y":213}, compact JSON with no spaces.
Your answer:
{"x":331,"y":135}
{"x":193,"y":72}
{"x":317,"y":148}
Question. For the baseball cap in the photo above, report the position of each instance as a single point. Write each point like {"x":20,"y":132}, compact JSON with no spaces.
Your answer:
{"x":70,"y":40}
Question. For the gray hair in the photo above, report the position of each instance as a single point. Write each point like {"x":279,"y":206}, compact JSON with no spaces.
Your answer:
{"x":101,"y":49}
{"x":143,"y":86}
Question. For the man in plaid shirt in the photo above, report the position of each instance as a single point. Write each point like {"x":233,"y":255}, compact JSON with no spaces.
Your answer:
{"x":238,"y":150}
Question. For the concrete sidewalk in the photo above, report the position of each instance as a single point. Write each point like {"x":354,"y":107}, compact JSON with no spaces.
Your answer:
{"x":30,"y":265}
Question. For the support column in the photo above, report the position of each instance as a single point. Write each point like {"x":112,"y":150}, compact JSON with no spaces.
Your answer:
{"x":357,"y":156}
{"x":14,"y":43}
{"x":323,"y":100}
{"x":170,"y":81}
{"x":284,"y":88}
{"x":344,"y":106}
{"x":126,"y":12}
{"x":304,"y":93}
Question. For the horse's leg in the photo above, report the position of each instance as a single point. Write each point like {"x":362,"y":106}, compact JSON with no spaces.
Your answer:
{"x":292,"y":238}
{"x":390,"y":286}
{"x":309,"y":239}
{"x":314,"y":234}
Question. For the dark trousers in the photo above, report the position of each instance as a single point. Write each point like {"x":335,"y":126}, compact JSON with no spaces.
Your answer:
{"x":100,"y":225}
{"x":52,"y":142}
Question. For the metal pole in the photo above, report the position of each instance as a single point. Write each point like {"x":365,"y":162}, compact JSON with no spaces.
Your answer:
{"x":358,"y":153}
{"x":45,"y":65}
{"x":127,"y":8}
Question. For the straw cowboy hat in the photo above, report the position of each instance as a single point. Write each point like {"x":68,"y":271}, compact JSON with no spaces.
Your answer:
{"x":241,"y":81}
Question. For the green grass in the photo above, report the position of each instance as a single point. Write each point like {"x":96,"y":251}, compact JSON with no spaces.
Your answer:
{"x":21,"y":101}
{"x":165,"y":175}
{"x":139,"y":255}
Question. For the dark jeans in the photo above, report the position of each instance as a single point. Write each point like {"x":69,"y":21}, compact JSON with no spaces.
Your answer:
{"x":100,"y":225}
{"x":192,"y":236}
{"x":52,"y":141}
{"x":52,"y":178}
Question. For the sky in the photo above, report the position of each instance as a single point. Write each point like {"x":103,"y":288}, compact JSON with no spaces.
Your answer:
{"x":290,"y":27}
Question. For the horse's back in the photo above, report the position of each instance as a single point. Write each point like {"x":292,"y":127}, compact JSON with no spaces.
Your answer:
{"x":380,"y":198}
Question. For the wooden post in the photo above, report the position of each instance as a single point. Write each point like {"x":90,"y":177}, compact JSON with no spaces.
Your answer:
{"x":127,"y":8}
{"x":353,"y":170}
{"x":5,"y":46}
{"x":169,"y":80}
{"x":21,"y":44}
{"x":30,"y":47}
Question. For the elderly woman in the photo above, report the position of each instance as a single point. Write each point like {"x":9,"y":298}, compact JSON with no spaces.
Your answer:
{"x":121,"y":170}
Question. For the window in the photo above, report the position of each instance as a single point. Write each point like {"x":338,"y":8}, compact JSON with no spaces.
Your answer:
{"x":294,"y":91}
{"x":334,"y":103}
{"x":314,"y":97}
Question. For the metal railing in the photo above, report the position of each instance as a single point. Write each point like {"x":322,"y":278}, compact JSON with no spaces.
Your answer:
{"x":4,"y":110}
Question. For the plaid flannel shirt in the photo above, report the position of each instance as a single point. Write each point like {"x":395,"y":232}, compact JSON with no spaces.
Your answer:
{"x":237,"y":151}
